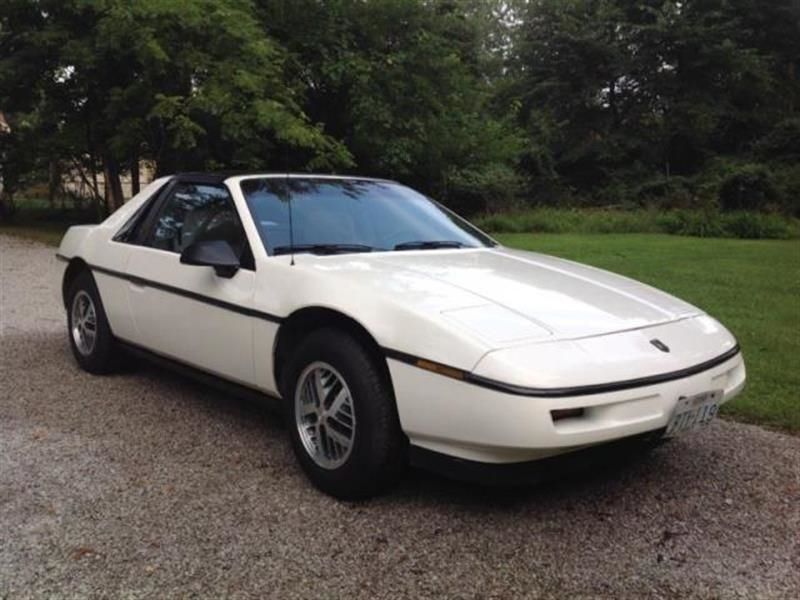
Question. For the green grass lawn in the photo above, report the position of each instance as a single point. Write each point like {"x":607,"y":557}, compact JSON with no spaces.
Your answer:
{"x":752,"y":286}
{"x":47,"y":234}
{"x":37,"y":220}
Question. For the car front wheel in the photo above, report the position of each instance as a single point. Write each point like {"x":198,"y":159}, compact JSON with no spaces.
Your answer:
{"x":90,"y":336}
{"x":342,"y":416}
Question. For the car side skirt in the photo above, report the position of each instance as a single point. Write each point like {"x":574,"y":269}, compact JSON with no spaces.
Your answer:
{"x":201,"y":376}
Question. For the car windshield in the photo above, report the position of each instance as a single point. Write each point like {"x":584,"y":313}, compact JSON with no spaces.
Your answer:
{"x":336,"y":216}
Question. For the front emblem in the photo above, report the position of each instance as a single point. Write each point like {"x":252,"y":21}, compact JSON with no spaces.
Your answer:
{"x":660,"y":345}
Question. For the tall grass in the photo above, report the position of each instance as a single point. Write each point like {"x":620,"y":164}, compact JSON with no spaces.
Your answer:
{"x":748,"y":225}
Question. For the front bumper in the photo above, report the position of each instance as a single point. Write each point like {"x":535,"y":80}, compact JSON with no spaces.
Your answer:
{"x":535,"y":471}
{"x":456,"y":418}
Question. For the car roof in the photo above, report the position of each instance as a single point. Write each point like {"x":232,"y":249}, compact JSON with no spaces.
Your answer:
{"x":223,"y":176}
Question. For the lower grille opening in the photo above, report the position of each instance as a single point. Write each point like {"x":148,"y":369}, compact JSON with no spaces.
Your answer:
{"x":566,"y":413}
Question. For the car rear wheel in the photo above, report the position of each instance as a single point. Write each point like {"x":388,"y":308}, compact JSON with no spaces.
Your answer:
{"x":342,"y":416}
{"x":90,"y":336}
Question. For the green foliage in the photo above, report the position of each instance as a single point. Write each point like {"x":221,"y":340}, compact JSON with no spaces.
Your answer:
{"x":788,"y":183}
{"x":401,"y":82}
{"x":666,"y":193}
{"x":191,"y":84}
{"x":556,"y":220}
{"x":750,"y":187}
{"x":694,"y":223}
{"x":746,"y":225}
{"x":484,"y":104}
{"x":770,"y":186}
{"x":20,"y":163}
{"x":477,"y":189}
{"x":614,"y":93}
{"x":758,"y":226}
{"x":707,"y":223}
{"x":782,"y":142}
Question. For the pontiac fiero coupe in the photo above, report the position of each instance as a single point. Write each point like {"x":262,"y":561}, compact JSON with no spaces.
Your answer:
{"x":390,"y":329}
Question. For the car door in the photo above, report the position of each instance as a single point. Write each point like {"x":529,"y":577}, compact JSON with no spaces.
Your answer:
{"x":190,"y":313}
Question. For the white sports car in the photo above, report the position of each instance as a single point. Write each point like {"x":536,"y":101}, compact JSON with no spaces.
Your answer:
{"x":391,"y":330}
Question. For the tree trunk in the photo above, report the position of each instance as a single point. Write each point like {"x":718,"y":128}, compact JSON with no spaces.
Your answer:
{"x":54,"y":182}
{"x":7,"y":206}
{"x":135,"y":185}
{"x":114,"y":198}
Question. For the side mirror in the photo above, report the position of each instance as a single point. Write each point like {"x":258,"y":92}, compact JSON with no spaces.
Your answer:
{"x":213,"y":253}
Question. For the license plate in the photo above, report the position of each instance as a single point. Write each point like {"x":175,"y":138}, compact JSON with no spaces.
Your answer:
{"x":693,"y":412}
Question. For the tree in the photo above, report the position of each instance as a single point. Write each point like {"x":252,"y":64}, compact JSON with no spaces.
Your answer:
{"x":616,"y":91}
{"x":473,"y":101}
{"x":402,"y":83}
{"x":194,"y":84}
{"x":576,"y":88}
{"x":19,"y":161}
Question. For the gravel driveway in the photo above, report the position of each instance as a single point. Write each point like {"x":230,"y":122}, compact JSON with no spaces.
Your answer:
{"x":145,"y":484}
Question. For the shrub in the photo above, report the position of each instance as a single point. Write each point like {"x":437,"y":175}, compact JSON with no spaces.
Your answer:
{"x":706,"y":223}
{"x":672,"y":192}
{"x":783,"y":142}
{"x":694,"y":223}
{"x":491,"y":188}
{"x":501,"y":223}
{"x":756,"y":226}
{"x":613,"y":193}
{"x":788,"y":182}
{"x":746,"y":225}
{"x":750,"y":187}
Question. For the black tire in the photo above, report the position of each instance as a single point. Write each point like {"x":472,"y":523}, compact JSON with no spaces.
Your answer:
{"x":378,"y":455}
{"x":103,"y":357}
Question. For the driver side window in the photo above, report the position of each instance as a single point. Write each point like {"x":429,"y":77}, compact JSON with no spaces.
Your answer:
{"x":196,"y":212}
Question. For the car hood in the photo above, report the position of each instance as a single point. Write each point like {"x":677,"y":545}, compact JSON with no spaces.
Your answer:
{"x":516,"y":295}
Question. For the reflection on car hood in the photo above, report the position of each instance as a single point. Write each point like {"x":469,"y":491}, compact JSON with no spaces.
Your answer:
{"x":549,"y":297}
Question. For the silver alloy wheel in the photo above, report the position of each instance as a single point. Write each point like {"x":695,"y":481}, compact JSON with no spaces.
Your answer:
{"x":324,"y":415}
{"x":84,"y":323}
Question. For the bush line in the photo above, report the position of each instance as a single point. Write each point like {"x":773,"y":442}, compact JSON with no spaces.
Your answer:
{"x":738,"y":224}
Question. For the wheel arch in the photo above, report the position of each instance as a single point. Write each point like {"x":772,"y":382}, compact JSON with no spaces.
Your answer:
{"x":308,"y":319}
{"x":75,"y":267}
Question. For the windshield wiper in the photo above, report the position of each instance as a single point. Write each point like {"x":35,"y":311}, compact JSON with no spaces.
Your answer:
{"x":322,"y":248}
{"x":429,"y":245}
